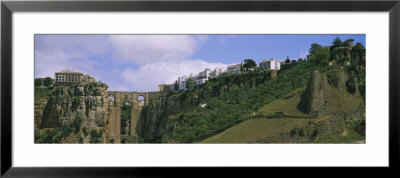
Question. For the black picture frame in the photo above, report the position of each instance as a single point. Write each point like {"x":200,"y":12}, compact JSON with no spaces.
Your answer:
{"x":8,"y":7}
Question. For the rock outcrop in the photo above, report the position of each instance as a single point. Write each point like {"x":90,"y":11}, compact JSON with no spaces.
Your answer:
{"x":76,"y":108}
{"x":337,"y":78}
{"x":314,"y":99}
{"x":40,"y":106}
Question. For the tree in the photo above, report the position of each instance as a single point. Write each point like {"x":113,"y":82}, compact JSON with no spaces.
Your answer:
{"x":314,"y":48}
{"x":38,"y":82}
{"x":75,"y":104}
{"x":287,"y":61}
{"x":359,"y":53}
{"x":294,"y":61}
{"x":47,"y":82}
{"x":337,"y":43}
{"x":95,"y":137}
{"x":190,"y":84}
{"x":358,"y":46}
{"x":249,"y":63}
{"x":176,"y":86}
{"x":77,"y":123}
{"x":320,"y":56}
{"x":351,"y":85}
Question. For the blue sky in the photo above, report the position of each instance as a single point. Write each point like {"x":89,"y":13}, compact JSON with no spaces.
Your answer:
{"x":142,"y":62}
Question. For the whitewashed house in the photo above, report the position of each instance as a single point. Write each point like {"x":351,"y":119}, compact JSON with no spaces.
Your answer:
{"x":182,"y":82}
{"x":216,"y":72}
{"x":234,"y":69}
{"x":273,"y":64}
{"x":204,"y":74}
{"x":200,"y":81}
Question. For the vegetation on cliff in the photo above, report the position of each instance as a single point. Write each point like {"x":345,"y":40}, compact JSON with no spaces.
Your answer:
{"x":73,"y":113}
{"x":318,"y":100}
{"x":208,"y":109}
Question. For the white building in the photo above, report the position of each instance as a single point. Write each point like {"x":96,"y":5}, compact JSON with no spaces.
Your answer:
{"x":234,"y":69}
{"x":201,"y":78}
{"x":204,"y":74}
{"x":182,"y":82}
{"x":273,"y":64}
{"x":216,"y":72}
{"x":200,"y":81}
{"x":67,"y":76}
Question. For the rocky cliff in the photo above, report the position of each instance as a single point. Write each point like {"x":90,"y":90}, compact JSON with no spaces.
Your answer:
{"x":336,"y":109}
{"x":76,"y":113}
{"x":315,"y":97}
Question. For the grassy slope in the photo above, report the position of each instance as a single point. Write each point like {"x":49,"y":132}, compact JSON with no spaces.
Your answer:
{"x":257,"y":129}
{"x":287,"y":105}
{"x":347,"y":136}
{"x":265,"y":129}
{"x":340,"y":100}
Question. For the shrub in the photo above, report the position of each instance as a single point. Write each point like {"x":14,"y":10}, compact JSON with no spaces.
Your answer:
{"x":360,"y":127}
{"x":75,"y":104}
{"x":351,"y":85}
{"x":95,"y":137}
{"x":77,"y":123}
{"x":85,"y":132}
{"x":301,"y":132}
{"x":314,"y":134}
{"x":292,"y":132}
{"x":80,"y":139}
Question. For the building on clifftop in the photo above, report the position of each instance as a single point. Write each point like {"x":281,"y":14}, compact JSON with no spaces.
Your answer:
{"x":273,"y":64}
{"x":67,"y":76}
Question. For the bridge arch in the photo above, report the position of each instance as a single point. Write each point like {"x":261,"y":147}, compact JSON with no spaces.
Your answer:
{"x":117,"y":99}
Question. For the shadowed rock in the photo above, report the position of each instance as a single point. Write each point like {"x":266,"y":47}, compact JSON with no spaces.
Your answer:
{"x":313,"y":100}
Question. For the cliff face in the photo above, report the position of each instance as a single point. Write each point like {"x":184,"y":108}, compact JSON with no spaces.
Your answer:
{"x":40,"y":106}
{"x":73,"y":112}
{"x":152,"y":121}
{"x":315,"y":97}
{"x":327,"y":95}
{"x":163,"y":119}
{"x":327,"y":99}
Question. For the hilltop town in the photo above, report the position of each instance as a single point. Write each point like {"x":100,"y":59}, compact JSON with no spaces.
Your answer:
{"x":203,"y":76}
{"x":68,"y":77}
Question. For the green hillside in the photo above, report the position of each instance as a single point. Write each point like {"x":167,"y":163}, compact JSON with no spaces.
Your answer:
{"x":303,"y":102}
{"x":251,"y":131}
{"x":283,"y":129}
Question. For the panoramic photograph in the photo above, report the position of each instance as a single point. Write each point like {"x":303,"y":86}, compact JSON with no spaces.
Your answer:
{"x":200,"y":89}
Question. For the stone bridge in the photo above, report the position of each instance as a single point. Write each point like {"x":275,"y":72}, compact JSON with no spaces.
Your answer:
{"x":136,"y":100}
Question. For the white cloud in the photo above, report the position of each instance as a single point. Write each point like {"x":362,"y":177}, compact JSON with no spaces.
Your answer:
{"x":149,"y":76}
{"x":142,"y":49}
{"x":135,"y":62}
{"x":59,"y":52}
